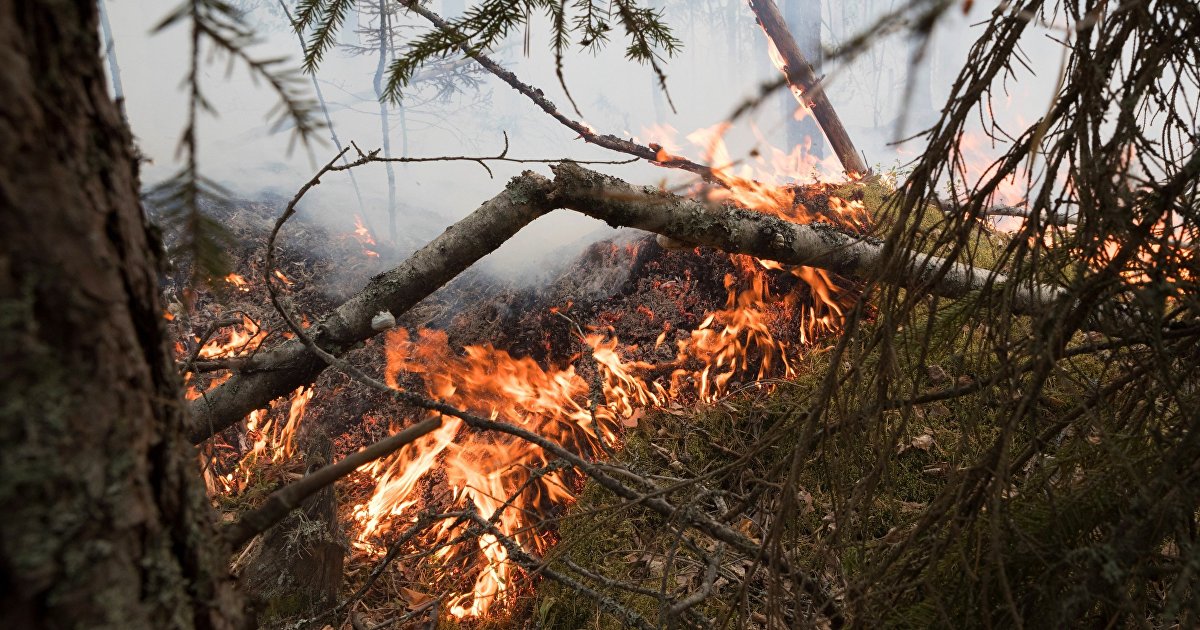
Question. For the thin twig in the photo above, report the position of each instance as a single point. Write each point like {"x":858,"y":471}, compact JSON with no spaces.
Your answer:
{"x":585,"y":132}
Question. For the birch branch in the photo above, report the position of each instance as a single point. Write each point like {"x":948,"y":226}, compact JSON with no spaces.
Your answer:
{"x":1026,"y":213}
{"x":276,"y":372}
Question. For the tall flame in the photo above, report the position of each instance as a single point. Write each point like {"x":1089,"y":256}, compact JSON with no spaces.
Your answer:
{"x":510,"y":480}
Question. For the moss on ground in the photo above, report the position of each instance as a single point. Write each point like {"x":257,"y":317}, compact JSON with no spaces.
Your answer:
{"x":903,"y":464}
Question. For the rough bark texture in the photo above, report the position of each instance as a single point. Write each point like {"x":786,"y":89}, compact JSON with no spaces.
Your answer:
{"x":104,"y":522}
{"x":735,"y":230}
{"x":800,"y":75}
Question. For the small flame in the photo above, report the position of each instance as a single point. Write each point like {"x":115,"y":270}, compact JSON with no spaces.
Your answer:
{"x":363,"y":235}
{"x":270,"y":439}
{"x":235,"y":341}
{"x":238,"y":282}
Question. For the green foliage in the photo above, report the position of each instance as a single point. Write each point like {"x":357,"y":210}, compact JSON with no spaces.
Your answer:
{"x":486,"y":24}
{"x":219,"y":25}
{"x":328,"y":17}
{"x":195,"y":236}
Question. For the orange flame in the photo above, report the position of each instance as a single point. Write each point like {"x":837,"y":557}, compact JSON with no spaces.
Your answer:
{"x":269,"y":439}
{"x":236,"y":341}
{"x":363,"y":235}
{"x":495,"y":473}
{"x":237,"y":281}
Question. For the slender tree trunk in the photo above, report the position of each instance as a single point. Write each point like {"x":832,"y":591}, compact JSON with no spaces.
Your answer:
{"x":804,"y":20}
{"x":105,"y":524}
{"x":337,"y":142}
{"x":921,"y":112}
{"x":110,"y":54}
{"x":384,"y":122}
{"x":800,"y":76}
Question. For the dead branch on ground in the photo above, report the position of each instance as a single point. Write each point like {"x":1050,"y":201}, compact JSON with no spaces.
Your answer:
{"x":527,"y":197}
{"x":291,"y":496}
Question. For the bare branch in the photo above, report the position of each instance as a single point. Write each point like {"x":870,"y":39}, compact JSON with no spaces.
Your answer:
{"x":290,"y":497}
{"x":1045,"y":217}
{"x":585,"y":132}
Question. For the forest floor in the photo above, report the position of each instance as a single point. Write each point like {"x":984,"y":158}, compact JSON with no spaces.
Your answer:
{"x":741,"y":446}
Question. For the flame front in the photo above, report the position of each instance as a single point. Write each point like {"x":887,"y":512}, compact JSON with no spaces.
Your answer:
{"x":500,"y":476}
{"x":512,"y":481}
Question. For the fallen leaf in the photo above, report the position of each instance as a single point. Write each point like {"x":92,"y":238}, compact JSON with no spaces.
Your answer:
{"x":804,"y":498}
{"x":414,"y":598}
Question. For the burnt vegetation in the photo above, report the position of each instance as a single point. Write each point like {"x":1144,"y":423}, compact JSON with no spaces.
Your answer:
{"x":761,"y":404}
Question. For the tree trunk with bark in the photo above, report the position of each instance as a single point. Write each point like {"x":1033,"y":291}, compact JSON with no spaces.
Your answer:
{"x":803,"y":79}
{"x":105,"y":524}
{"x":803,"y":19}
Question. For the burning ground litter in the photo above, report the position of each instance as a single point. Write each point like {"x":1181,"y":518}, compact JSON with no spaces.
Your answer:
{"x":662,"y":328}
{"x":623,"y":353}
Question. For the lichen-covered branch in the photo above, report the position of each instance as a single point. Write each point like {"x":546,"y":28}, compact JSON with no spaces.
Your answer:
{"x":274,"y":373}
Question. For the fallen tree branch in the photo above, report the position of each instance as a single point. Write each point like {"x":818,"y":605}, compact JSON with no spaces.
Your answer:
{"x":741,"y":231}
{"x":607,"y":141}
{"x":281,"y":370}
{"x":805,"y":84}
{"x":290,"y":496}
{"x":289,"y":365}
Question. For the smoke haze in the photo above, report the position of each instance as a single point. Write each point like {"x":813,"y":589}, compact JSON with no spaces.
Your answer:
{"x":724,"y":61}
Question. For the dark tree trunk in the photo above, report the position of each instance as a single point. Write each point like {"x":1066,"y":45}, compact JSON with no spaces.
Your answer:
{"x":104,"y":522}
{"x":804,"y":20}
